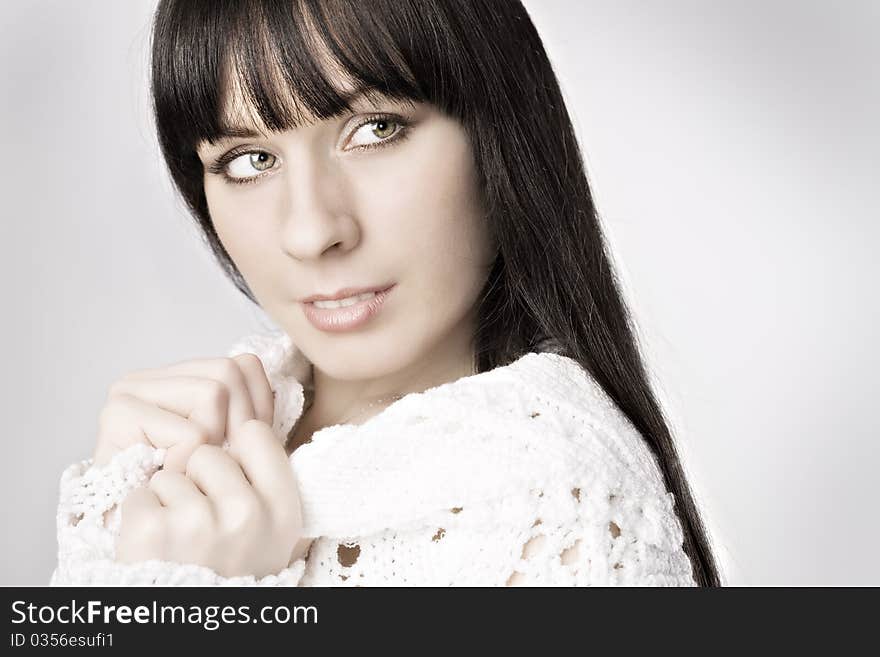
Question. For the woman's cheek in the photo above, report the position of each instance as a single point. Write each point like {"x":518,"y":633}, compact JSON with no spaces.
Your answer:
{"x":244,"y":231}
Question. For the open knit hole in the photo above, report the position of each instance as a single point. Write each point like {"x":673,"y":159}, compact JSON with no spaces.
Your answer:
{"x":75,"y":521}
{"x":348,"y":555}
{"x":439,"y":534}
{"x":571,"y":554}
{"x":456,"y":509}
{"x":531,"y":547}
{"x":576,"y":493}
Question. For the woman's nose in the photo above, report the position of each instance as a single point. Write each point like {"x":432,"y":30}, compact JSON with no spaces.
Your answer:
{"x":315,"y":211}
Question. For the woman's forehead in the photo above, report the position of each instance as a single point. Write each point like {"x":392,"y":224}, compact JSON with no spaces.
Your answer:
{"x":238,"y":113}
{"x":237,"y":109}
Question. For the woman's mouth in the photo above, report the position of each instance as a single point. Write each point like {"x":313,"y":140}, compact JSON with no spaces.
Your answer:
{"x":345,"y":314}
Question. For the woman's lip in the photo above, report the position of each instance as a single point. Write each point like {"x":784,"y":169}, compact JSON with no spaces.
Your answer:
{"x":345,"y":293}
{"x":334,"y":320}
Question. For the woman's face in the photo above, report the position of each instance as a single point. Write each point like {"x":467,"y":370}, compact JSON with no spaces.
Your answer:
{"x":385,"y":196}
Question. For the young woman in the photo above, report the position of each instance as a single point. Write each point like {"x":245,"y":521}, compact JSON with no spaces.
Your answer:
{"x":455,"y":395}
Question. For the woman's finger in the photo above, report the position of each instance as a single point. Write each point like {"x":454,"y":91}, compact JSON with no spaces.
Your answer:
{"x":266,"y":465}
{"x":161,"y":428}
{"x":141,"y":526}
{"x":175,"y":489}
{"x":217,"y":475}
{"x":201,"y":400}
{"x":223,"y":370}
{"x":258,"y":385}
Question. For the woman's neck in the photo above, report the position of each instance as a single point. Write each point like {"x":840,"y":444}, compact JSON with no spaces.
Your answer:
{"x":336,"y":401}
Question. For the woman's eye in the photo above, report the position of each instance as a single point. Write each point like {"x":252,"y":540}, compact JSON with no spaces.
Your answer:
{"x":247,"y":167}
{"x":247,"y":163}
{"x":378,"y":129}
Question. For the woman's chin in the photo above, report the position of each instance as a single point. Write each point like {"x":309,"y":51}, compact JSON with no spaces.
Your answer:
{"x":354,"y":363}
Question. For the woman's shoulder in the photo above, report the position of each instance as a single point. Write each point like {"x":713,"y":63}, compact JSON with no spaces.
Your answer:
{"x":561,"y":402}
{"x":546,"y":403}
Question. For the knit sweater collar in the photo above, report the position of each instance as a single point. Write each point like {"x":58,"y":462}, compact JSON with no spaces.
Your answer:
{"x":480,"y":437}
{"x":290,"y":375}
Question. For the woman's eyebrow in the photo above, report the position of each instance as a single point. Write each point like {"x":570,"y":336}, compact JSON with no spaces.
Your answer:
{"x":232,"y":131}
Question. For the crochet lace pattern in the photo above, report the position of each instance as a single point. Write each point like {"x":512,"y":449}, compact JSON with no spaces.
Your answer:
{"x":527,"y":474}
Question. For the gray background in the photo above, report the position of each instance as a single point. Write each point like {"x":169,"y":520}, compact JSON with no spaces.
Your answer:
{"x":732,"y":149}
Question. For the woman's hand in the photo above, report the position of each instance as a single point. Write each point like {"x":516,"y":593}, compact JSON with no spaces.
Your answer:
{"x":236,"y":512}
{"x":183,"y":406}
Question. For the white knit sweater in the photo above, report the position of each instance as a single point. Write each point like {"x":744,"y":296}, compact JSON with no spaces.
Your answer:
{"x":492,"y":479}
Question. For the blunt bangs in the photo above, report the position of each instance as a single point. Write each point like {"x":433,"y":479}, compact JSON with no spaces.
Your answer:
{"x":288,"y":64}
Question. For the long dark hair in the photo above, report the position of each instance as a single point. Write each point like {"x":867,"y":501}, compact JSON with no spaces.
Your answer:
{"x":482,"y":62}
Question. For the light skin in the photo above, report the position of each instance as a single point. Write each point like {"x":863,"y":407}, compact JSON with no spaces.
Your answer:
{"x":237,"y":511}
{"x":324,"y":213}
